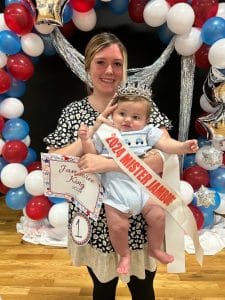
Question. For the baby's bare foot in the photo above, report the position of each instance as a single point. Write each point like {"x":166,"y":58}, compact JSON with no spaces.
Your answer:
{"x":161,"y":256}
{"x":124,"y":265}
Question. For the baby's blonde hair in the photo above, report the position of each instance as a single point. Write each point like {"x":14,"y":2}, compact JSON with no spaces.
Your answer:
{"x":134,"y":98}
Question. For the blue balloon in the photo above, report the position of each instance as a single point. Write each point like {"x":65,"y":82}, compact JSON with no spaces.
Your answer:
{"x":3,"y":96}
{"x":211,"y":206}
{"x":118,"y":7}
{"x":165,"y":35}
{"x":17,"y":198}
{"x":9,"y":42}
{"x":213,"y":30}
{"x":15,"y":129}
{"x":217,"y":179}
{"x":56,"y":200}
{"x":67,"y":13}
{"x":98,"y":4}
{"x":49,"y":49}
{"x":17,"y":89}
{"x":189,"y":161}
{"x":208,"y":219}
{"x":7,"y":2}
{"x":202,"y":141}
{"x":31,"y":157}
{"x":2,"y":163}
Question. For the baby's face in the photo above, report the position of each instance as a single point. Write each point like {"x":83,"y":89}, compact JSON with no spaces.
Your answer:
{"x":130,"y":116}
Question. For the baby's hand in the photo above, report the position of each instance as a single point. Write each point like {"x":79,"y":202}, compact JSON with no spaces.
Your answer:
{"x":191,"y":146}
{"x":83,"y":132}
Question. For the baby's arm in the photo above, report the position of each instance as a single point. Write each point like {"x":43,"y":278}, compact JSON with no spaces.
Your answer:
{"x":85,"y":135}
{"x":170,"y":145}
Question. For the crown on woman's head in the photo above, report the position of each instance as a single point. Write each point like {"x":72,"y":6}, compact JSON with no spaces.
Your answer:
{"x":135,"y":89}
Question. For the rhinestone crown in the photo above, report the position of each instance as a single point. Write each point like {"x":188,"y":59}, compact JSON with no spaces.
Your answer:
{"x":136,"y":89}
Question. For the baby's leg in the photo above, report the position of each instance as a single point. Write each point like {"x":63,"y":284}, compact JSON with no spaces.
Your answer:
{"x":118,"y":224}
{"x":155,"y":218}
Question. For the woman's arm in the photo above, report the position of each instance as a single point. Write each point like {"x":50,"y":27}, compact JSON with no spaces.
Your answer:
{"x":90,"y":163}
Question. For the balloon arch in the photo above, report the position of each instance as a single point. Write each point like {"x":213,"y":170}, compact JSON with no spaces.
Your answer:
{"x":198,"y":30}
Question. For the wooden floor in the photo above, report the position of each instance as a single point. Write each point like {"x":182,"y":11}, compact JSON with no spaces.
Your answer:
{"x":33,"y":272}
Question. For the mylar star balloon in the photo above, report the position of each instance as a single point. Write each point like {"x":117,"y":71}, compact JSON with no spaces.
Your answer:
{"x":215,"y":123}
{"x":214,"y":87}
{"x":50,"y":11}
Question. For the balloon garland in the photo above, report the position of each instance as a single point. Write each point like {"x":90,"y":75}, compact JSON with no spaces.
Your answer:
{"x":198,"y":27}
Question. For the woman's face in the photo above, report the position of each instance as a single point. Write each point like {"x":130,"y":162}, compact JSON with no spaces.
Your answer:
{"x":106,"y":70}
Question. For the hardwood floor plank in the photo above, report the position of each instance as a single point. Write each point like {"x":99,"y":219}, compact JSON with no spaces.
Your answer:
{"x":37,"y":272}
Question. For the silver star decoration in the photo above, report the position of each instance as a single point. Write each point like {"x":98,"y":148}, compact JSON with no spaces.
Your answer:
{"x":205,"y":197}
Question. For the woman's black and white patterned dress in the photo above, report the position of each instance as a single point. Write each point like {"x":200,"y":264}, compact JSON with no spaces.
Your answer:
{"x":72,"y":116}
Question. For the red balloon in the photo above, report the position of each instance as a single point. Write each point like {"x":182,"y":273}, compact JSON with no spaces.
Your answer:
{"x":82,"y":5}
{"x":14,"y":151}
{"x":201,"y":57}
{"x":20,"y":66}
{"x":135,"y":9}
{"x":38,"y":207}
{"x":18,"y":18}
{"x":35,"y":165}
{"x":199,"y":128}
{"x":196,"y":176}
{"x":2,"y":123}
{"x":3,"y":189}
{"x":5,"y":81}
{"x":68,"y":29}
{"x":204,"y":9}
{"x":198,"y":215}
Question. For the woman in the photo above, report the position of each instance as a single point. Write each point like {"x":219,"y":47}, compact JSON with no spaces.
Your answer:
{"x":106,"y":67}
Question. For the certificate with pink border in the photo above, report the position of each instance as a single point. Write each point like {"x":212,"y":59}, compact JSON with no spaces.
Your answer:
{"x":60,"y":180}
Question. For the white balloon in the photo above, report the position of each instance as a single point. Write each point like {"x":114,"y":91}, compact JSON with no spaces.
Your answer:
{"x":13,"y":175}
{"x":155,"y":12}
{"x":44,"y":28}
{"x":186,"y":191}
{"x":85,"y":21}
{"x":32,"y":44}
{"x":58,"y":215}
{"x":221,"y":208}
{"x":3,"y":25}
{"x":188,"y":43}
{"x":27,"y":140}
{"x":2,"y":143}
{"x":11,"y":108}
{"x":216,"y":54}
{"x":206,"y":106}
{"x":34,"y":183}
{"x":209,"y":158}
{"x":3,"y":60}
{"x":180,"y":18}
{"x":221,"y":10}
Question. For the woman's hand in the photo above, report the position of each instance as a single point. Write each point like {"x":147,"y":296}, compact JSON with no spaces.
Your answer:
{"x":94,"y":163}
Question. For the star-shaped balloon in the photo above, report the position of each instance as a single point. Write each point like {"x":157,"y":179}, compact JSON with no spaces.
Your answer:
{"x":50,"y":11}
{"x":205,"y":197}
{"x":214,"y":87}
{"x":214,"y":123}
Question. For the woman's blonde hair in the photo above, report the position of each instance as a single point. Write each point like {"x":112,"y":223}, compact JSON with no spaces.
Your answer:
{"x":101,"y":41}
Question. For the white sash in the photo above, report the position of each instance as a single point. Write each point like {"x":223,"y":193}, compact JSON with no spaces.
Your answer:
{"x":161,"y":193}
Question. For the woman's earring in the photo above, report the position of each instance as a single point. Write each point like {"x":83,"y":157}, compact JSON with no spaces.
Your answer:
{"x":89,"y":81}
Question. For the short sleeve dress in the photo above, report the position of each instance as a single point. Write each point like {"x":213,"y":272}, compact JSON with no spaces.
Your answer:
{"x":99,"y":254}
